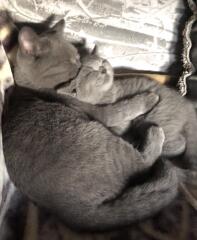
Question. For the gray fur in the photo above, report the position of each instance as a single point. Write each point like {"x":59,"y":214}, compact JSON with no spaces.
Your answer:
{"x":175,"y":114}
{"x":64,"y":160}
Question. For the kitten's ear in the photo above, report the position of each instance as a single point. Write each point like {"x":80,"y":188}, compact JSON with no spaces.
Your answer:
{"x":95,"y":50}
{"x":28,"y":41}
{"x":59,"y":26}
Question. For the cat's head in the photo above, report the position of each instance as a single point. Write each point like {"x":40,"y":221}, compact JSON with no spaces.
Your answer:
{"x":45,"y":60}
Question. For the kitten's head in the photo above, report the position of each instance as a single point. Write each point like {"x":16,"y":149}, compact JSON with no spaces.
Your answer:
{"x":45,"y":60}
{"x":94,"y":80}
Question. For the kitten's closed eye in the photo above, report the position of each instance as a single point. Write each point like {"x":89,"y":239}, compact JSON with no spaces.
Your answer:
{"x":102,"y":69}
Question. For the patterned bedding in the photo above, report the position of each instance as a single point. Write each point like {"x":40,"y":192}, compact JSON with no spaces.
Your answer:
{"x":135,"y":34}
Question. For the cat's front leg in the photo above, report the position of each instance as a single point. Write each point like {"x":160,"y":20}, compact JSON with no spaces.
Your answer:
{"x":122,"y":112}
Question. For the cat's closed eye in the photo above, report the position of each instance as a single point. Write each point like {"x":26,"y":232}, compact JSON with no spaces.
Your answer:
{"x":36,"y":57}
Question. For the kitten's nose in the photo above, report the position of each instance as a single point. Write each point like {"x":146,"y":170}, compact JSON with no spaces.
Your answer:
{"x":75,"y":61}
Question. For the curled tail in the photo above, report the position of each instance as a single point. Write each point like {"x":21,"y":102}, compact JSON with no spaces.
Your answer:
{"x":135,"y":203}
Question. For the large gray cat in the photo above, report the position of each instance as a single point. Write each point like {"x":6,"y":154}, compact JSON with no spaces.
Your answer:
{"x":95,"y":84}
{"x":69,"y":163}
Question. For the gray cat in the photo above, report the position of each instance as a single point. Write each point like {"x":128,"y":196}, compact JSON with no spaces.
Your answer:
{"x":64,"y":160}
{"x":95,"y":84}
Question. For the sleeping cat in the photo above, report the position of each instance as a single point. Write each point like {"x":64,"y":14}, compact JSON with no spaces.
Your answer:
{"x":64,"y":160}
{"x":95,"y":84}
{"x":8,"y":32}
{"x":9,"y":39}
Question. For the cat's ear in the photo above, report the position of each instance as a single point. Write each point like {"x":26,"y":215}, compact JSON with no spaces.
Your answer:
{"x":28,"y":41}
{"x":59,"y":26}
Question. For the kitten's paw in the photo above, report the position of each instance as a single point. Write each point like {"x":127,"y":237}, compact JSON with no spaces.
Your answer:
{"x":174,"y":147}
{"x":156,"y":134}
{"x":151,"y":100}
{"x":153,"y":144}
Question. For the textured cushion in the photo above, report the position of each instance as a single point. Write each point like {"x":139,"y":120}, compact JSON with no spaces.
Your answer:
{"x":136,"y":34}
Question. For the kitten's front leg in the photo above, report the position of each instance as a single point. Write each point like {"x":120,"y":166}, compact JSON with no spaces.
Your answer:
{"x":114,"y":115}
{"x":122,"y":112}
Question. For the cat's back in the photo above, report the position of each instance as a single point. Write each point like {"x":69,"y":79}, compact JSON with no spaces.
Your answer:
{"x":39,"y":133}
{"x":25,"y":109}
{"x":46,"y":140}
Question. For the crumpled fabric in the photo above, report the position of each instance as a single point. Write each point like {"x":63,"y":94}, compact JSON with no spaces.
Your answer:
{"x":134,"y":34}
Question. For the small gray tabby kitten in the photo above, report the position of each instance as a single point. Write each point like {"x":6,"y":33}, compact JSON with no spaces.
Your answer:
{"x":64,"y":160}
{"x":95,"y":84}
